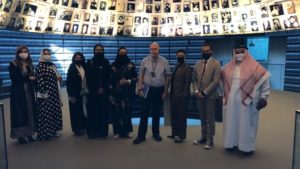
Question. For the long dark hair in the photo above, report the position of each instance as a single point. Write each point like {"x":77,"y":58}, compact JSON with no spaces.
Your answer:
{"x":18,"y":60}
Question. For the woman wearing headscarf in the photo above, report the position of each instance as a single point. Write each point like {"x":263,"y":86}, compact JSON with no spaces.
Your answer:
{"x":123,"y":80}
{"x":77,"y":91}
{"x":97,"y":71}
{"x":49,"y":114}
{"x":22,"y":96}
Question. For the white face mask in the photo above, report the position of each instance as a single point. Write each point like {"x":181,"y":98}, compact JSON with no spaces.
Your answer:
{"x":239,"y":57}
{"x":23,"y":56}
{"x":46,"y":57}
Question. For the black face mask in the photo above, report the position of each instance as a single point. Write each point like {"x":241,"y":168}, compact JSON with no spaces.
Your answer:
{"x":180,"y":60}
{"x":79,"y":62}
{"x":99,"y":55}
{"x":206,"y":55}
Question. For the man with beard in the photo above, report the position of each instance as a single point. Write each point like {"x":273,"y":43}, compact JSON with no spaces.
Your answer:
{"x":123,"y":80}
{"x":97,"y":80}
{"x":207,"y":75}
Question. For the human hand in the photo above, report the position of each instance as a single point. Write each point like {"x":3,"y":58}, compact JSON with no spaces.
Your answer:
{"x":140,"y":93}
{"x":31,"y":78}
{"x":72,"y":100}
{"x":199,"y":95}
{"x":100,"y":91}
{"x":261,"y":104}
{"x":123,"y":81}
{"x":59,"y":78}
{"x":164,"y":95}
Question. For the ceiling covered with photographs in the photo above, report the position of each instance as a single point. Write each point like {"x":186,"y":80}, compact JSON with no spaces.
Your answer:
{"x":150,"y":17}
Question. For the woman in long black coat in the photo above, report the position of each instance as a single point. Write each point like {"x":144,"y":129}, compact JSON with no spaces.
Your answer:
{"x":123,"y":81}
{"x":22,"y":96}
{"x":97,"y":71}
{"x":77,"y":91}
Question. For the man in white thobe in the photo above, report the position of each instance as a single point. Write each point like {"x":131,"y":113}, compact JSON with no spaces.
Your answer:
{"x":246,"y":89}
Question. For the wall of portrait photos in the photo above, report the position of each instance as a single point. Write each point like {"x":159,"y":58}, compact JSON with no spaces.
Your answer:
{"x":150,"y":17}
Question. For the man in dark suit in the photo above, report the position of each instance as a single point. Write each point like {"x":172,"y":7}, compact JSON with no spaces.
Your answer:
{"x":180,"y":91}
{"x":206,"y":78}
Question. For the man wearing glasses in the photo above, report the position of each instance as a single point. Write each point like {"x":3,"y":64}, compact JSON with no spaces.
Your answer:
{"x":153,"y":88}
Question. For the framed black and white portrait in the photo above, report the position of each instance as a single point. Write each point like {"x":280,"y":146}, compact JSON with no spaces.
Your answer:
{"x":137,"y":20}
{"x":130,"y":7}
{"x":205,"y":5}
{"x":196,"y":6}
{"x":29,"y":9}
{"x":225,"y":3}
{"x":154,"y":31}
{"x":94,"y":4}
{"x":84,"y":28}
{"x":214,"y":4}
{"x":276,"y":10}
{"x":75,"y":28}
{"x":53,"y":12}
{"x":121,"y":19}
{"x":148,"y":8}
{"x":102,"y":6}
{"x":67,"y":27}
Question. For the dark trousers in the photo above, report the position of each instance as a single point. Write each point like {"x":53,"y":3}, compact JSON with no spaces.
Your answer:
{"x":97,"y":116}
{"x":121,"y":117}
{"x":78,"y":120}
{"x":207,"y":109}
{"x":152,"y":102}
{"x":178,"y":116}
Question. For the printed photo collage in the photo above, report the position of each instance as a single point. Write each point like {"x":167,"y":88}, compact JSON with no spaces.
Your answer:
{"x":149,"y":17}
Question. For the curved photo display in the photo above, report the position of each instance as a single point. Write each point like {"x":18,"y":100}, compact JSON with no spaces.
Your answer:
{"x":144,"y":18}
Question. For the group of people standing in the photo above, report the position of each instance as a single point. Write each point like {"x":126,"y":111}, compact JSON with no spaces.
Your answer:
{"x":96,"y":89}
{"x":35,"y":100}
{"x":242,"y":83}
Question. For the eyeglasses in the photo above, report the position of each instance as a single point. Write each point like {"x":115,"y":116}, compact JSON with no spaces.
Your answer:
{"x":23,"y":51}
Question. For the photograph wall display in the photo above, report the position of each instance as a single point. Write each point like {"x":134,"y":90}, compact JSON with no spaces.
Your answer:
{"x":150,"y":17}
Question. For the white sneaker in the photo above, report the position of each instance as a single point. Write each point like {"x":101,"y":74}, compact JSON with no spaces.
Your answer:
{"x":130,"y":135}
{"x":208,"y":145}
{"x":116,"y":136}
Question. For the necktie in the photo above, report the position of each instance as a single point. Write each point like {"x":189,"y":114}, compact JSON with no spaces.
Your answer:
{"x":204,"y":67}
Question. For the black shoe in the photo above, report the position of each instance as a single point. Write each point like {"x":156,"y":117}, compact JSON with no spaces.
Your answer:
{"x":138,"y":140}
{"x":92,"y":136}
{"x":22,"y":140}
{"x":230,"y":149}
{"x":247,"y":153}
{"x":171,"y":136}
{"x":157,"y":137}
{"x":79,"y":133}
